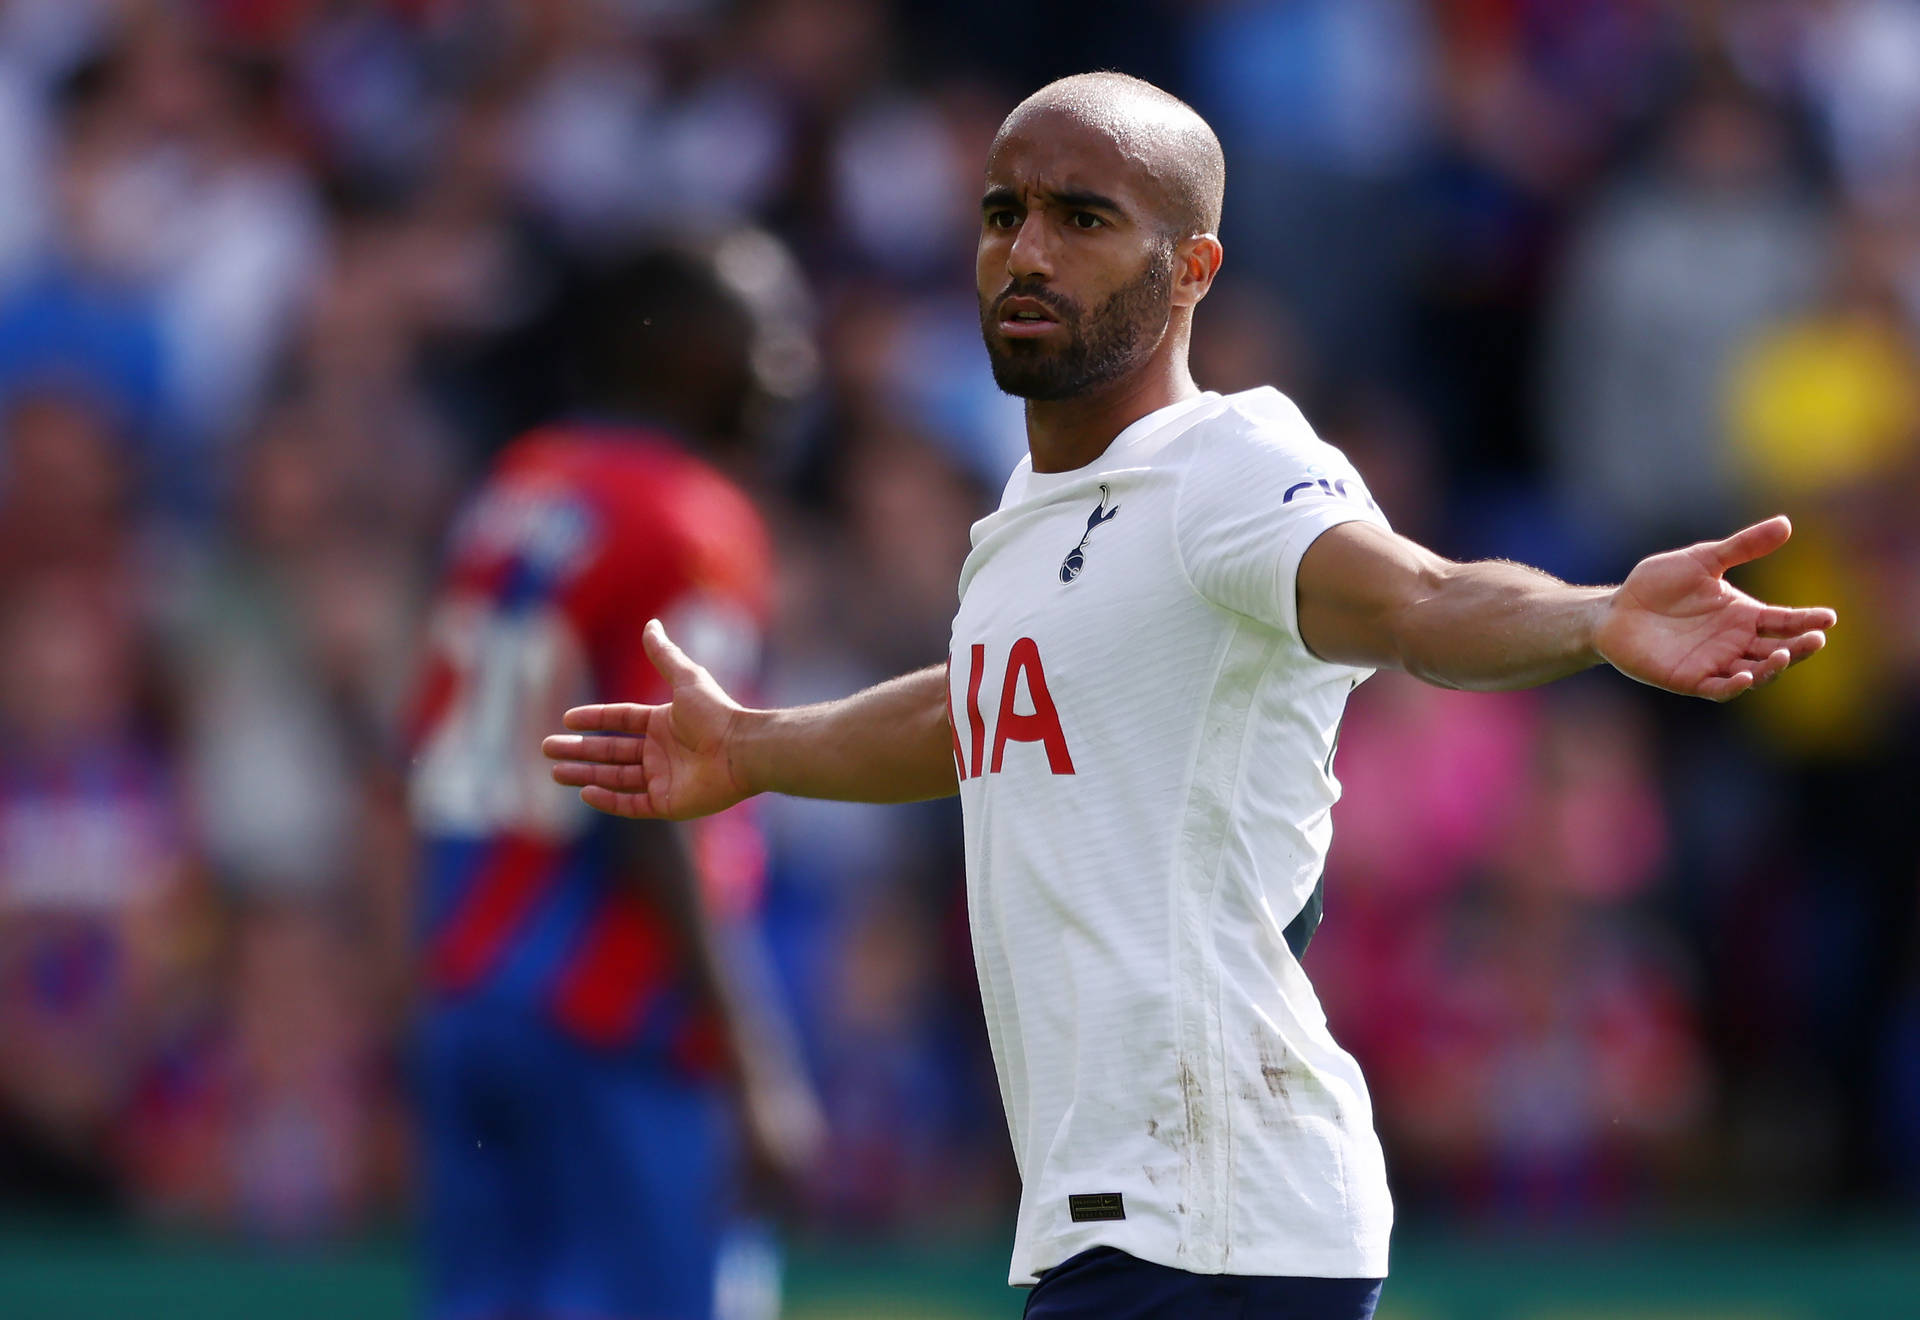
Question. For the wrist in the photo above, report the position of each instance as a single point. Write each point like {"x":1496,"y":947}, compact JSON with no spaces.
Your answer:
{"x":748,"y":762}
{"x":1595,"y":610}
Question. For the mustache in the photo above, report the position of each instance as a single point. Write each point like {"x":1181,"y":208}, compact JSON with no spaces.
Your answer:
{"x":1063,"y":308}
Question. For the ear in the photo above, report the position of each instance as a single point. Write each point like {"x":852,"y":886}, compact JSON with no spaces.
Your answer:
{"x":1196,"y":260}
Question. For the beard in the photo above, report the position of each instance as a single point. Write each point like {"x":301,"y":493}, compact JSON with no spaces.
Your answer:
{"x":1102,"y":345}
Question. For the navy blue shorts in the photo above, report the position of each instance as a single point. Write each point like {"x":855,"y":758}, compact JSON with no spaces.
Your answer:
{"x":1105,"y":1284}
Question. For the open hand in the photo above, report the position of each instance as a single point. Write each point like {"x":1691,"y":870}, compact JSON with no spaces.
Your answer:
{"x":1677,"y":624}
{"x":669,"y":762}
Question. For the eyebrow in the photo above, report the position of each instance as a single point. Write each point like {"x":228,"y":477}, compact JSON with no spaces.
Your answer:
{"x":1088,"y":201}
{"x":1078,"y":200}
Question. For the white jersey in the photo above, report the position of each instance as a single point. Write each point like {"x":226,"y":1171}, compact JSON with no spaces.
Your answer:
{"x":1146,"y":756}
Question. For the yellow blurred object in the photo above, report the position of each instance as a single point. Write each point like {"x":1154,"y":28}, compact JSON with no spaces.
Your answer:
{"x":1822,"y":403}
{"x":1829,"y":708}
{"x":1821,"y":413}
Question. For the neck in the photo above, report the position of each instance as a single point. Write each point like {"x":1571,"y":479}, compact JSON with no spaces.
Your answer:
{"x":1064,"y":434}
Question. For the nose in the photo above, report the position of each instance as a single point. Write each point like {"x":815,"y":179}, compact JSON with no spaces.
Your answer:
{"x":1030,"y":256}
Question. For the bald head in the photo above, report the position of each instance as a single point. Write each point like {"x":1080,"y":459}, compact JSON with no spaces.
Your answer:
{"x":1163,"y":136}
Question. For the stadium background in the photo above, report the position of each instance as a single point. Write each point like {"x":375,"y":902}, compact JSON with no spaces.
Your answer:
{"x":1636,"y":981}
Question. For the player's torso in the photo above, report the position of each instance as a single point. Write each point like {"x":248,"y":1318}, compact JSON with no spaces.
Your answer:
{"x":572,"y":544}
{"x":1081,"y":673}
{"x":1144,"y":784}
{"x":1072,"y":681}
{"x":554,"y":567}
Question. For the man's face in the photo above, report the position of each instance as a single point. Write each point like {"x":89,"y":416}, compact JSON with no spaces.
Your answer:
{"x":1074,"y":269}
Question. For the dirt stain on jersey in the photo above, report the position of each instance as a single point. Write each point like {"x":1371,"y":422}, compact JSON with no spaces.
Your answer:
{"x":1289,"y":1085}
{"x":1191,"y":1143}
{"x":1275,"y":1075}
{"x":1170,"y":1135}
{"x":1156,"y":1174}
{"x":1194,"y":1104}
{"x":1190,"y":1094}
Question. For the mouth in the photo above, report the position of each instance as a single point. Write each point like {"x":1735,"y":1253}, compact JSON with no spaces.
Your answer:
{"x":1026,"y":318}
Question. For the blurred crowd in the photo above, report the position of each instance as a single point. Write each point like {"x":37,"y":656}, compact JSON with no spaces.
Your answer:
{"x":1570,"y":280}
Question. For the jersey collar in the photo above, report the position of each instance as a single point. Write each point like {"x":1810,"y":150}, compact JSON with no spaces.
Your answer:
{"x":1143,"y":437}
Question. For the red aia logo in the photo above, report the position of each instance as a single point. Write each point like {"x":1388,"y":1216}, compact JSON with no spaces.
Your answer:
{"x":1009,"y":725}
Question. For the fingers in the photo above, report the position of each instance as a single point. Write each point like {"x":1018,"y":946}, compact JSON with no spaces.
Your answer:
{"x":635,"y":805}
{"x":1796,"y":649}
{"x":1760,"y":666}
{"x":1750,"y":543}
{"x":620,"y":717}
{"x":579,"y":774}
{"x":1747,"y":675}
{"x":626,"y":716}
{"x":1725,"y":687}
{"x":609,"y":749}
{"x":1779,"y":621}
{"x":622,"y":790}
{"x":669,"y":659}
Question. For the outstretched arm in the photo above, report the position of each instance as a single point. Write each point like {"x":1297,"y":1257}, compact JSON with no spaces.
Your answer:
{"x":1369,"y":597}
{"x":702,"y":751}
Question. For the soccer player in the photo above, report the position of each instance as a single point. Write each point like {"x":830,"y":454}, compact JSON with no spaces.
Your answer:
{"x":1157,"y":633}
{"x":590,"y":996}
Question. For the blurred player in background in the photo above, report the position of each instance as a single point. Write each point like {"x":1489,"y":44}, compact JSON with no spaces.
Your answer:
{"x":605,"y":1075}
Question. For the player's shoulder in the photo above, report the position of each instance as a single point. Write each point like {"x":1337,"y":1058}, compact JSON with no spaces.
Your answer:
{"x":1255,"y":455}
{"x":694,"y":520}
{"x":625,"y":497}
{"x":1259,"y":431}
{"x":1261,"y":417}
{"x":634,"y":471}
{"x":605,"y":462}
{"x":561,"y":464}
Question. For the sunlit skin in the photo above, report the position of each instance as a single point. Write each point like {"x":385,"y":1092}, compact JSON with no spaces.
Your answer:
{"x":1073,"y":217}
{"x":1067,"y":214}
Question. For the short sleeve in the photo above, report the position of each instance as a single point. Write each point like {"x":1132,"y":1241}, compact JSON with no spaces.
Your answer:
{"x":1259,"y":488}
